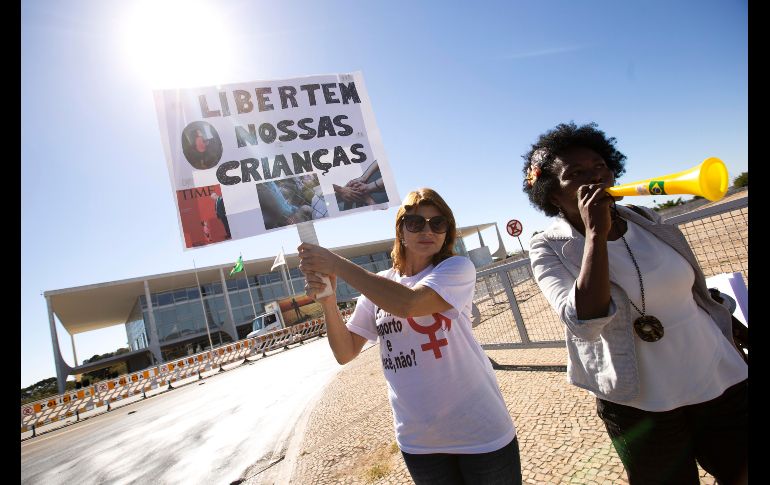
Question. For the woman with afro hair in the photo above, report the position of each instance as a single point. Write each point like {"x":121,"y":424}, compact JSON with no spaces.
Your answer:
{"x":643,"y":334}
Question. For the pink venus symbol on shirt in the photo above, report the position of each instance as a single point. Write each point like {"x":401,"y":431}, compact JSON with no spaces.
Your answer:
{"x":434,"y":343}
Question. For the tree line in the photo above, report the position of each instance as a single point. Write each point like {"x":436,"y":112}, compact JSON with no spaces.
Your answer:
{"x":48,"y":387}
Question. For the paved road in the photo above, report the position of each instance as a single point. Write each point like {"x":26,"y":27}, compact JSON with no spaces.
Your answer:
{"x":213,"y":431}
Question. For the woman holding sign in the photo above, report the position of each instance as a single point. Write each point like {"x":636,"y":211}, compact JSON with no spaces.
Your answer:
{"x":450,"y":419}
{"x":643,"y":333}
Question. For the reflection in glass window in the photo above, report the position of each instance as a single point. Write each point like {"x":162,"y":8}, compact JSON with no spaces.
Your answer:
{"x":361,"y":260}
{"x":459,"y":248}
{"x":135,"y":327}
{"x":382,"y":266}
{"x":198,"y":322}
{"x":212,"y":304}
{"x":184,"y":310}
{"x":165,"y":316}
{"x":267,"y":278}
{"x":297,"y":285}
{"x":238,"y":315}
{"x":216,"y":288}
{"x":167,"y":331}
{"x":248,"y":313}
{"x":188,"y":324}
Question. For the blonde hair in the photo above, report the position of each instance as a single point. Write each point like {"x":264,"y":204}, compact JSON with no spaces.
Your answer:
{"x":414,"y":199}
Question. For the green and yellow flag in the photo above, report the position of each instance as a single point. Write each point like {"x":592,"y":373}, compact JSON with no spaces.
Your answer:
{"x":657,"y":187}
{"x":238,"y":266}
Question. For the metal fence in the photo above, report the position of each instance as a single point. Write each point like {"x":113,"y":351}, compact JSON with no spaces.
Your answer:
{"x":515,"y":314}
{"x":719,"y":237}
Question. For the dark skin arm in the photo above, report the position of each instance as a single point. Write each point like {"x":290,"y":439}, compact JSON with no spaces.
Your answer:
{"x":592,"y":292}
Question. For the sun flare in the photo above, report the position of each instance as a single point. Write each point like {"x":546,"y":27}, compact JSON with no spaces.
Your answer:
{"x":177,"y":44}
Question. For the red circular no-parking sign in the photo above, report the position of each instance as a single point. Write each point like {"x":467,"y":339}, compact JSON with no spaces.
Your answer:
{"x":513,"y":227}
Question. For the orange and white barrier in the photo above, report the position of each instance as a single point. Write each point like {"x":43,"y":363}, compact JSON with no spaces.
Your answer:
{"x":242,"y":349}
{"x":127,"y":386}
{"x":176,"y":370}
{"x":224,"y":355}
{"x":281,"y":338}
{"x":54,"y":409}
{"x":301,"y":331}
{"x":236,"y":353}
{"x":260,"y":344}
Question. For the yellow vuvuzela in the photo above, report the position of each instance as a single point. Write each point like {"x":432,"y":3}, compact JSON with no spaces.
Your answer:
{"x":709,"y":180}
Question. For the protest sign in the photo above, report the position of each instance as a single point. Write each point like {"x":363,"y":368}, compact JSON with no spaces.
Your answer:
{"x":249,"y":158}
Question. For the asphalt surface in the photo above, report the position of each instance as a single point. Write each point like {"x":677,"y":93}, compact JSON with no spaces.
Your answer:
{"x":218,"y":430}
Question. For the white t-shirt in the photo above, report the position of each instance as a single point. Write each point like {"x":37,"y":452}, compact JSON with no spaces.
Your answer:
{"x":443,"y":391}
{"x":693,"y":362}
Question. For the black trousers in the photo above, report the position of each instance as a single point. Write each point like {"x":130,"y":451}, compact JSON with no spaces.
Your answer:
{"x":663,"y":447}
{"x":501,"y":467}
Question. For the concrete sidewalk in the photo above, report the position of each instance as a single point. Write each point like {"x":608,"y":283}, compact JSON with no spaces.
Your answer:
{"x":348,"y":435}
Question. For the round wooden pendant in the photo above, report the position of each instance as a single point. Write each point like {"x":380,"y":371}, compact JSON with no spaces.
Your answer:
{"x":648,"y":328}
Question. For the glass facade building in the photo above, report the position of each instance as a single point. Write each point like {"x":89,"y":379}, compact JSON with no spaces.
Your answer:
{"x":171,"y":315}
{"x":176,"y":314}
{"x":179,"y":315}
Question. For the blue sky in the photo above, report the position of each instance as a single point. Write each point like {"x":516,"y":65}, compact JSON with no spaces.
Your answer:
{"x":460,"y":90}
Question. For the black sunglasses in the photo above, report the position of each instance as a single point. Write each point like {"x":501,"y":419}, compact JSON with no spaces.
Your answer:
{"x":416,"y":223}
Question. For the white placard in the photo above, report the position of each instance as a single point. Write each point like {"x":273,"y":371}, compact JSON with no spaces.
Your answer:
{"x":307,"y":234}
{"x":254,"y":157}
{"x":732,"y":284}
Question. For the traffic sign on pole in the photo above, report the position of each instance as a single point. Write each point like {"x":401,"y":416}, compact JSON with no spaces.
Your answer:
{"x":514,"y":228}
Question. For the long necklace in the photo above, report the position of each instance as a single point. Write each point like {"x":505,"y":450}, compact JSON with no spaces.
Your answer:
{"x":647,"y":327}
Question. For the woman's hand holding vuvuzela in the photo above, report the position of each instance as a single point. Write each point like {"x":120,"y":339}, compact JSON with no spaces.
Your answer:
{"x":594,"y":206}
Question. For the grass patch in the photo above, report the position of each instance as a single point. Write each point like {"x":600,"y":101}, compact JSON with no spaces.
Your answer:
{"x":376,"y":472}
{"x":372,"y":465}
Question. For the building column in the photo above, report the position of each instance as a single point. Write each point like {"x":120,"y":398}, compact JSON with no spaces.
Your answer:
{"x":230,"y":322}
{"x":154,"y":342}
{"x":62,"y":369}
{"x":74,"y":354}
{"x":501,"y":251}
{"x":460,"y":246}
{"x":481,"y":241}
